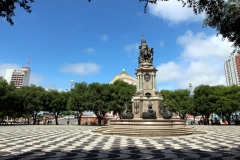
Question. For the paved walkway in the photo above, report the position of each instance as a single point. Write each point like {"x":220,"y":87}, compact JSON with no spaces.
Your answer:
{"x":78,"y":142}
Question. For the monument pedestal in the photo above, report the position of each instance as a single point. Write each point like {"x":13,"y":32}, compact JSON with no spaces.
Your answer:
{"x":147,"y":100}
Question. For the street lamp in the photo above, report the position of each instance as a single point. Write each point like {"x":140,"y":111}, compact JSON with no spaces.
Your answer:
{"x":71,"y":84}
{"x":191,"y":96}
{"x":190,"y":88}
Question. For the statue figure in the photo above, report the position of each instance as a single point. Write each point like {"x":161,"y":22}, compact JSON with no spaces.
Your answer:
{"x":149,"y":113}
{"x":149,"y":105}
{"x":146,"y":54}
{"x":126,"y":113}
{"x":166,"y":113}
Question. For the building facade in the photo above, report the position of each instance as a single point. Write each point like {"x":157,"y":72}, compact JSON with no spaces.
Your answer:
{"x":20,"y":77}
{"x":232,"y":69}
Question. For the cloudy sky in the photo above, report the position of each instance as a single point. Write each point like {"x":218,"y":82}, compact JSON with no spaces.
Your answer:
{"x":94,"y":41}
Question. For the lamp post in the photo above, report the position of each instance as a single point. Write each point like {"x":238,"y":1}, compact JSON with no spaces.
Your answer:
{"x":190,"y":88}
{"x":191,"y":96}
{"x":71,"y":84}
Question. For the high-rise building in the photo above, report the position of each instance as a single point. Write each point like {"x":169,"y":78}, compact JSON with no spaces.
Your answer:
{"x":232,"y":69}
{"x":20,"y":77}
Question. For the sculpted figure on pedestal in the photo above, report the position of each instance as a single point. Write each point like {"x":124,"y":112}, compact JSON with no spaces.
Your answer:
{"x":146,"y":54}
{"x":126,"y":113}
{"x":166,"y":113}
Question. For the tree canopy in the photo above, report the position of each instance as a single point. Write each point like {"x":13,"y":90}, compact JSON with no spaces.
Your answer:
{"x":226,"y":21}
{"x":7,"y":8}
{"x":178,"y":101}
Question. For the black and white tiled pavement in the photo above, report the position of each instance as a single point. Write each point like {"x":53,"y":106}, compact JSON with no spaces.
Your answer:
{"x":78,"y":142}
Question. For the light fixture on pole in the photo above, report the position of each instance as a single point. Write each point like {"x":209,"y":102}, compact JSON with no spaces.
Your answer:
{"x":190,"y":88}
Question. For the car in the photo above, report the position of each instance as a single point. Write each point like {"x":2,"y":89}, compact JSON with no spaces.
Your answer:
{"x":215,"y":121}
{"x":69,"y":117}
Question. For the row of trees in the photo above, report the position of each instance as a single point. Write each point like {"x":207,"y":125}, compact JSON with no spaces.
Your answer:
{"x":222,"y":100}
{"x":28,"y":101}
{"x":101,"y":98}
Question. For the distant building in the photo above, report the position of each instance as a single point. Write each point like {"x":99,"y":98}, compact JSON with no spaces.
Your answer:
{"x":20,"y":77}
{"x":232,"y":69}
{"x":124,"y":77}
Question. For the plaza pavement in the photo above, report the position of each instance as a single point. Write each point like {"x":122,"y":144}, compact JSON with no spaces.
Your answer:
{"x":28,"y":142}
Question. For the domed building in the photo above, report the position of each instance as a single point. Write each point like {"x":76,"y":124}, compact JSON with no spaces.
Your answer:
{"x":124,"y":77}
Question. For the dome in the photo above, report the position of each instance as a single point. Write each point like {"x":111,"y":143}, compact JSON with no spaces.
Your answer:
{"x":125,"y":77}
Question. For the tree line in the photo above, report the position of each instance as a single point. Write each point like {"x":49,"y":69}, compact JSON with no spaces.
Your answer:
{"x":29,"y":101}
{"x":205,"y":100}
{"x":99,"y":98}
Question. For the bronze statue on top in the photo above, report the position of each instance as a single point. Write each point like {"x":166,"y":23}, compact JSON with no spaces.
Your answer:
{"x":146,"y":54}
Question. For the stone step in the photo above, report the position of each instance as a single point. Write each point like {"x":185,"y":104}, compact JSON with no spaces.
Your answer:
{"x":147,"y":128}
{"x":149,"y":132}
{"x":146,"y":134}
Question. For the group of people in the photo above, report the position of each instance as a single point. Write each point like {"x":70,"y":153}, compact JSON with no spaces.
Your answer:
{"x":212,"y":121}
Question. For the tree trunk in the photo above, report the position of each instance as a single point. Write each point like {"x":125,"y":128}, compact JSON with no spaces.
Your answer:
{"x":79,"y":118}
{"x":100,"y":118}
{"x":228,"y":118}
{"x":34,"y":118}
{"x":28,"y":120}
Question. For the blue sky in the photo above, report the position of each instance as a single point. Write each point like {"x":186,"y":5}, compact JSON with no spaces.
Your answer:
{"x":94,"y":41}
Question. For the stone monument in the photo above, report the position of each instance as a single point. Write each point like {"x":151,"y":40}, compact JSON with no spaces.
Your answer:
{"x":146,"y":87}
{"x":148,"y":117}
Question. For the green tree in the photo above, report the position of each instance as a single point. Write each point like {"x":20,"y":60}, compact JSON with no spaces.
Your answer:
{"x":168,"y":98}
{"x":204,"y":100}
{"x":183,"y":103}
{"x":226,"y":21}
{"x":78,"y":100}
{"x":7,"y":8}
{"x":56,"y":102}
{"x":228,"y":101}
{"x":121,"y":93}
{"x":33,"y":99}
{"x":178,"y":101}
{"x":8,"y":100}
{"x":99,"y":97}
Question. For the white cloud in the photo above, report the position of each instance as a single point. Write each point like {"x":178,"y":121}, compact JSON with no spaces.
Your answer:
{"x":131,"y":48}
{"x":203,"y":47}
{"x":104,"y":37}
{"x":173,"y":12}
{"x":201,"y":62}
{"x":5,"y":66}
{"x":167,"y":72}
{"x":89,"y":50}
{"x":81,"y":68}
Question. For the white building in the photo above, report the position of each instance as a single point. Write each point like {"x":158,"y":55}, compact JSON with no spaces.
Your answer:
{"x":232,"y":69}
{"x":20,"y":77}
